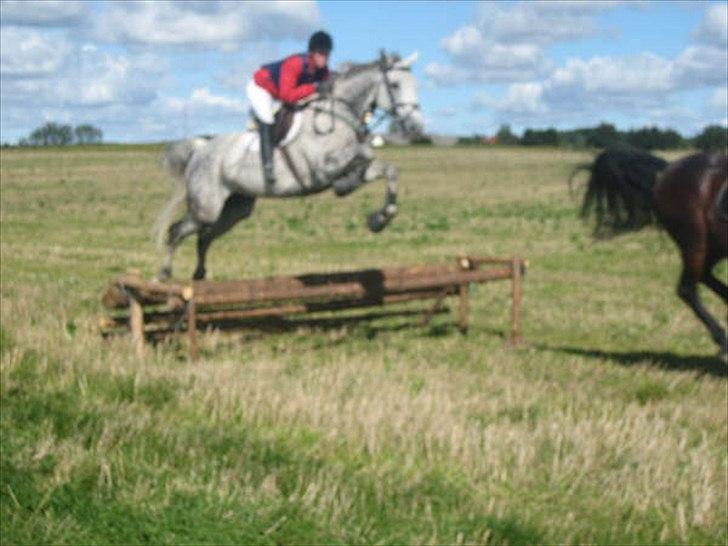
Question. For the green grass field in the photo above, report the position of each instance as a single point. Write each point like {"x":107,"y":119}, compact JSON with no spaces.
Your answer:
{"x":608,"y":427}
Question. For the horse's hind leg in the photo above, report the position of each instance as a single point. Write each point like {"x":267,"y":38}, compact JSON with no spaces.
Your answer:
{"x":717,"y":286}
{"x":237,"y":207}
{"x":176,"y":233}
{"x":687,"y":290}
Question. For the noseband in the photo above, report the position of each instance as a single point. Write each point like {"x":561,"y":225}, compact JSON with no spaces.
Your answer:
{"x":394,"y":104}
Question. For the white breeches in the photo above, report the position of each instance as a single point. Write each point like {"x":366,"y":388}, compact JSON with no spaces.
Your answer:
{"x":263,"y":104}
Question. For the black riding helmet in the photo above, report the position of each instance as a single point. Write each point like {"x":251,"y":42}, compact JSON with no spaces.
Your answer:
{"x":320,"y":41}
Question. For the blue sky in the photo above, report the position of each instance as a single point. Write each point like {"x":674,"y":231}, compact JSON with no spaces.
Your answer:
{"x":147,"y":71}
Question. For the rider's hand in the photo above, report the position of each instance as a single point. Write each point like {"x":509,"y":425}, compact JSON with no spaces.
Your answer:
{"x":325,"y":87}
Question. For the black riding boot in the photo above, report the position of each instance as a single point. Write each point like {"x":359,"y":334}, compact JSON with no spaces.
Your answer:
{"x":266,"y":152}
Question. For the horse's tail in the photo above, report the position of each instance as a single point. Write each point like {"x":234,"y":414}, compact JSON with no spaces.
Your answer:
{"x":176,"y":158}
{"x":619,"y":191}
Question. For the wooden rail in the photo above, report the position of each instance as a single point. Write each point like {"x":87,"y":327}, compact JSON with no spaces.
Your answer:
{"x":155,"y":307}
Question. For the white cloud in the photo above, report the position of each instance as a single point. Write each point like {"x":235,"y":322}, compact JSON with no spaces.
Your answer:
{"x":90,"y":79}
{"x":701,"y":65}
{"x":719,"y":99}
{"x":480,"y":59}
{"x":237,"y":76}
{"x":524,"y":98}
{"x":507,"y":42}
{"x":714,"y":28}
{"x":642,"y":86}
{"x":28,"y":53}
{"x":539,"y":22}
{"x":103,"y":79}
{"x":642,"y":73}
{"x":43,"y":13}
{"x":74,"y":74}
{"x":445,"y":74}
{"x":202,"y":100}
{"x":639,"y":86}
{"x":204,"y":24}
{"x":446,"y":112}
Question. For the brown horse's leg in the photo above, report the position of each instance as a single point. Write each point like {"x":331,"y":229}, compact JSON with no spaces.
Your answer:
{"x":687,"y":290}
{"x":716,"y":285}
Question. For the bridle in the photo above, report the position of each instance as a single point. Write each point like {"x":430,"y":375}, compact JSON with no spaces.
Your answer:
{"x":361,"y":125}
{"x":394,"y":104}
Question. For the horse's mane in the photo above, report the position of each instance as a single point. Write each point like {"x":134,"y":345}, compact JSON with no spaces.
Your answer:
{"x":350,"y":69}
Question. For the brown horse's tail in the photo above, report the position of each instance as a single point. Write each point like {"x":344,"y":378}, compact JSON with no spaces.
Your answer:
{"x":619,"y":191}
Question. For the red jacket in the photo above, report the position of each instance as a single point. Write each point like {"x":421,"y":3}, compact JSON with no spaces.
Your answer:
{"x":291,"y":79}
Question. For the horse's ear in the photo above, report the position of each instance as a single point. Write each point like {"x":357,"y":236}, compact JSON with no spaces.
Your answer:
{"x":383,"y":58}
{"x":408,"y":61}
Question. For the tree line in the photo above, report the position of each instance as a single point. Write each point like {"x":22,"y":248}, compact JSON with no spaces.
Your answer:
{"x":713,"y":137}
{"x":57,"y":134}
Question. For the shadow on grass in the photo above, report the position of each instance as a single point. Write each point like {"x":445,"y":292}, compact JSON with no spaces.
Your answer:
{"x":709,"y":365}
{"x":367,"y":321}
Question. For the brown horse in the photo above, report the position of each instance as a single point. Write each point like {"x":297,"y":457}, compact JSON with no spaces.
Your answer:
{"x":629,"y":189}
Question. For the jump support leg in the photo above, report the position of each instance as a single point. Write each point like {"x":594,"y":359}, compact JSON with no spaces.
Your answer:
{"x":463,"y":290}
{"x":516,"y":303}
{"x":189,"y":295}
{"x":136,"y":324}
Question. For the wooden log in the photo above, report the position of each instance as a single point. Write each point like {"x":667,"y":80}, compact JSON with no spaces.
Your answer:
{"x":311,"y":285}
{"x":147,"y":293}
{"x":473,"y":262}
{"x":213,"y":315}
{"x":276,"y":297}
{"x":389,"y":285}
{"x":368,"y":277}
{"x":114,"y":297}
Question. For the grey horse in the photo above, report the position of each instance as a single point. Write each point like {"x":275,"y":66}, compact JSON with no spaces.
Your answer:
{"x":221,"y":178}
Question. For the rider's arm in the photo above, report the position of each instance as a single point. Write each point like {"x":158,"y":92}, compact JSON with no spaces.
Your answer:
{"x":287,"y":90}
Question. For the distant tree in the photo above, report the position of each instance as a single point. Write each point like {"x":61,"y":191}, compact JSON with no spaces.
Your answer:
{"x":421,"y":140}
{"x":713,"y":137}
{"x":603,"y":136}
{"x":540,"y":137}
{"x":51,"y":134}
{"x":476,"y":138}
{"x":653,"y":138}
{"x":505,"y":136}
{"x":88,"y":134}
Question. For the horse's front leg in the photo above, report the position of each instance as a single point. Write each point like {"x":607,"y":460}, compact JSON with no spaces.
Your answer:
{"x":379,"y":219}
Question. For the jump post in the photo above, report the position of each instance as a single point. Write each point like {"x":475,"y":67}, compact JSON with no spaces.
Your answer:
{"x":149,"y":308}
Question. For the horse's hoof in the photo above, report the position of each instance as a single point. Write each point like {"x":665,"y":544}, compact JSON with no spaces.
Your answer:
{"x":164,"y":275}
{"x":377,"y":221}
{"x":199,"y":275}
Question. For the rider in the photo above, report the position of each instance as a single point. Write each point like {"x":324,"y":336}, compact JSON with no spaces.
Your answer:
{"x":288,"y":80}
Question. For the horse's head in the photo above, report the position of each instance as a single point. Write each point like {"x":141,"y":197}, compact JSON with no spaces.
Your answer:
{"x":397,"y":93}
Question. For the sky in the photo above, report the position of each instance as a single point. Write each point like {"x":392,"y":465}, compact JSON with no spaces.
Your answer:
{"x":156,"y":70}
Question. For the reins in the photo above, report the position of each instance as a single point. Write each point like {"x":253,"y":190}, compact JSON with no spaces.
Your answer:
{"x":360,"y":126}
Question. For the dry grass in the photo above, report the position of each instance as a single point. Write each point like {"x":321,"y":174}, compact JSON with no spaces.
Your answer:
{"x":608,"y":428}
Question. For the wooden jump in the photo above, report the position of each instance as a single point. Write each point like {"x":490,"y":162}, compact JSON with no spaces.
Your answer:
{"x":153,"y":308}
